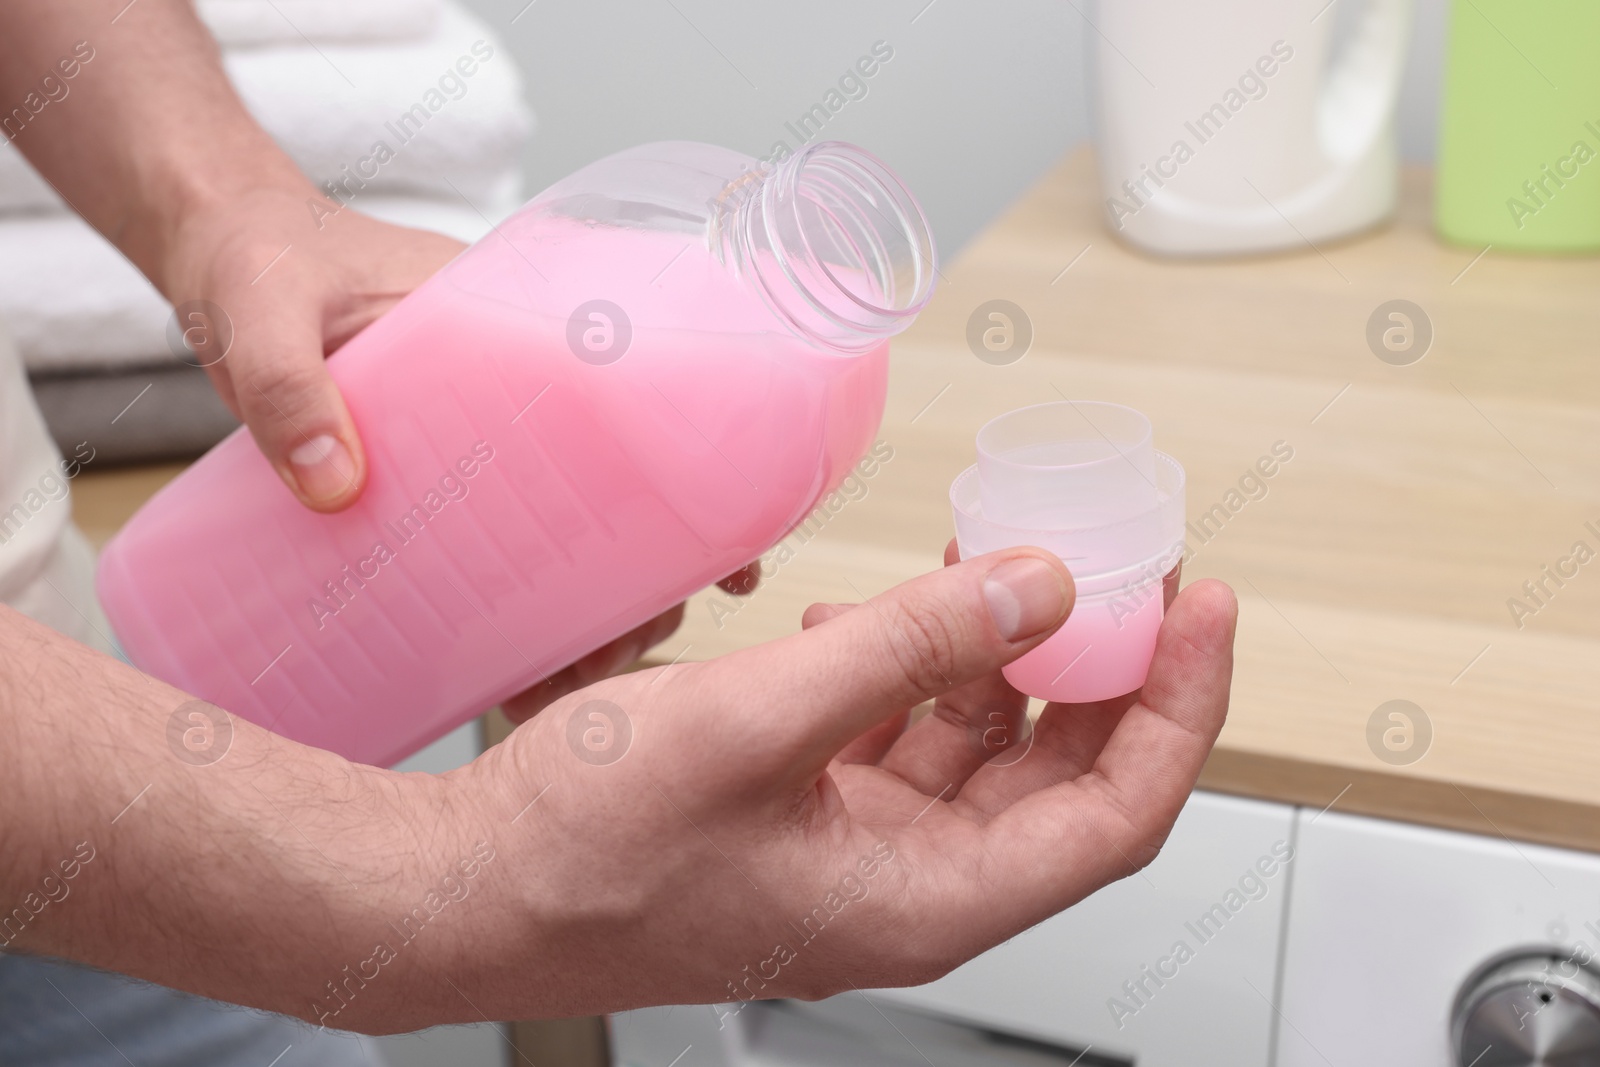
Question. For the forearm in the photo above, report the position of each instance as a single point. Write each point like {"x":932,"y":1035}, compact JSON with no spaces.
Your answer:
{"x":145,"y":132}
{"x":258,"y":877}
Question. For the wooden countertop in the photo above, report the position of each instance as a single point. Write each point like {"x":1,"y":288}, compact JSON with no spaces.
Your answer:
{"x":103,"y":499}
{"x":1378,"y":564}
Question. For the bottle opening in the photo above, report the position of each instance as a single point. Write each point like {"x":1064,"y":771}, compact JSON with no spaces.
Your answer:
{"x":838,"y":247}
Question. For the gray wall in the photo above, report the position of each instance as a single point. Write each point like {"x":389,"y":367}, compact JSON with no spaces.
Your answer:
{"x":1419,"y":96}
{"x":978,"y":100}
{"x":981,"y":97}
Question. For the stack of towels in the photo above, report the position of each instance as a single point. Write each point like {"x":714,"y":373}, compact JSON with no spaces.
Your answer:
{"x":329,"y":81}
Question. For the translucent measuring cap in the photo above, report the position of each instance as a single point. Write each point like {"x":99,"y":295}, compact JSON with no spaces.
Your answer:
{"x":1079,"y":478}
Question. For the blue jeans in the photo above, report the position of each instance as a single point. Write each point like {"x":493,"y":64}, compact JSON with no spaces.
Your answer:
{"x":58,"y":1014}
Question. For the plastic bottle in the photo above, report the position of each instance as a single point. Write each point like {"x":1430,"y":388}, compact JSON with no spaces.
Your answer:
{"x":1080,"y":479}
{"x":1247,"y":125}
{"x":1519,"y":135}
{"x":633,"y":387}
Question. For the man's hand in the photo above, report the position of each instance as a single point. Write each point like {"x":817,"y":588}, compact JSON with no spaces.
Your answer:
{"x":154,"y":148}
{"x":295,"y":286}
{"x":764,"y":825}
{"x":756,"y":825}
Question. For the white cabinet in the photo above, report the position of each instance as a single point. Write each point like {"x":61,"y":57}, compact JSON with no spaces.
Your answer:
{"x":1388,"y":920}
{"x":1363,"y":939}
{"x":1110,"y":972}
{"x":1106,"y":973}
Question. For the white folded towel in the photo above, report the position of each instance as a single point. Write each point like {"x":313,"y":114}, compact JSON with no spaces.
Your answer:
{"x":444,"y":131}
{"x":243,"y":23}
{"x":72,"y":302}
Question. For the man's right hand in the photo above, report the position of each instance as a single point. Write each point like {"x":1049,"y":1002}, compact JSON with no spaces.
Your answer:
{"x":763,"y":825}
{"x":753,"y":826}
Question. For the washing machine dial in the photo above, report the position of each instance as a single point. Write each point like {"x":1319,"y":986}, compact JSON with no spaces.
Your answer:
{"x":1533,"y":1008}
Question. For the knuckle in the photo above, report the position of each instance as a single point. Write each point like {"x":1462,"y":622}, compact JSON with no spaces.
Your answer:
{"x":815,"y":987}
{"x":1148,"y":845}
{"x":1139,"y":823}
{"x":925,"y":956}
{"x":1137,"y":855}
{"x":926,"y":644}
{"x":923,"y":967}
{"x":279,"y":390}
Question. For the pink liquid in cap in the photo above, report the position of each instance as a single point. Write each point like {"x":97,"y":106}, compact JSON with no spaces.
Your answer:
{"x":633,"y":387}
{"x":1080,"y":479}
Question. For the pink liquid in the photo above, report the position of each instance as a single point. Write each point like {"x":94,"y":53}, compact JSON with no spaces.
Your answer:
{"x":1103,"y":650}
{"x":524,"y":506}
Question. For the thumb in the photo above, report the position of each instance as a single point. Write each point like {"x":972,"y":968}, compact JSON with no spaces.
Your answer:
{"x":816,"y":691}
{"x":280,"y":383}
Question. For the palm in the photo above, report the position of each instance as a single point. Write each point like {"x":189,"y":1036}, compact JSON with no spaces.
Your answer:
{"x":964,"y":785}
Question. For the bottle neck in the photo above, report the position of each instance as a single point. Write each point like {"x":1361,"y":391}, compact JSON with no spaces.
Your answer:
{"x":837,"y":247}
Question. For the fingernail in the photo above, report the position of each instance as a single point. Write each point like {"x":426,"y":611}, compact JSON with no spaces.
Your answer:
{"x":323,"y":468}
{"x":1026,"y":597}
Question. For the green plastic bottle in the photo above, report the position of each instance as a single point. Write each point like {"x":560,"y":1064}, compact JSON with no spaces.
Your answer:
{"x":1519,"y":143}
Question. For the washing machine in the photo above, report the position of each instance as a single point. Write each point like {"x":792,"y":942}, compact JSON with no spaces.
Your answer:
{"x":1309,"y":939}
{"x":1419,"y":947}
